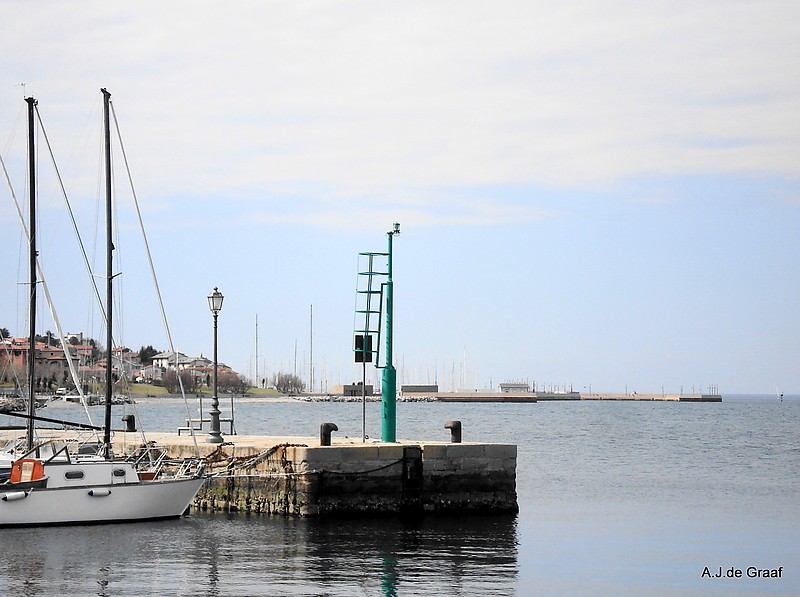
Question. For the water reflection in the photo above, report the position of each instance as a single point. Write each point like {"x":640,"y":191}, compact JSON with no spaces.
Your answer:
{"x":445,"y":555}
{"x":389,"y":577}
{"x":615,"y":499}
{"x":212,"y":554}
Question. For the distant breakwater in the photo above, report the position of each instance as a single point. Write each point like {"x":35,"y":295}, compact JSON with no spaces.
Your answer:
{"x":518,"y":397}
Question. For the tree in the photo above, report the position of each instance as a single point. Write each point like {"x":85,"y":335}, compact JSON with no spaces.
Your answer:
{"x":95,"y":349}
{"x":286,"y":383}
{"x":146,"y":354}
{"x":4,"y":333}
{"x":48,"y":338}
{"x":170,"y":381}
{"x":232,"y":382}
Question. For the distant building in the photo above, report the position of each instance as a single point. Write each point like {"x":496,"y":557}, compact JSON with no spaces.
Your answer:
{"x":149,"y":374}
{"x":515,"y":388}
{"x":125,"y":361}
{"x":168,"y":360}
{"x":199,"y":367}
{"x":419,"y":389}
{"x":50,"y":361}
{"x":354,"y":389}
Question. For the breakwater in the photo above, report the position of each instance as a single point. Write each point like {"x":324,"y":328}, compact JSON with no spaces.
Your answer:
{"x":654,"y":397}
{"x":558,"y":396}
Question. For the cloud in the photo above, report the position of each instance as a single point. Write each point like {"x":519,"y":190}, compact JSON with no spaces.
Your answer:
{"x":455,"y":211}
{"x":365,"y":97}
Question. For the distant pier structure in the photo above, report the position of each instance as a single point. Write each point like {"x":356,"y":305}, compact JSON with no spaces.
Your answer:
{"x":521,"y":393}
{"x":353,"y":389}
{"x":635,"y":396}
{"x":515,"y":388}
{"x":416,"y":389}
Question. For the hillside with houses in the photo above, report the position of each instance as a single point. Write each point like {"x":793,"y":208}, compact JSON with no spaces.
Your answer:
{"x":145,"y":366}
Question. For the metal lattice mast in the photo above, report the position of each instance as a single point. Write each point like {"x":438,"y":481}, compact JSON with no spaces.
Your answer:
{"x":374,"y":324}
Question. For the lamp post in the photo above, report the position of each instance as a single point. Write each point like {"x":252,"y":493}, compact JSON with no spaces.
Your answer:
{"x":215,"y":304}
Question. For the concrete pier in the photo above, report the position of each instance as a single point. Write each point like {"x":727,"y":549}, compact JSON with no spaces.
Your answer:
{"x":563,"y":396}
{"x":296,"y":476}
{"x":484,"y":397}
{"x":299,"y":477}
{"x":655,"y":397}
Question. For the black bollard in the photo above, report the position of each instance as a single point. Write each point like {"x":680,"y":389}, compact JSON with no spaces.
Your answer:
{"x":130,"y":422}
{"x":325,"y":433}
{"x":455,"y":431}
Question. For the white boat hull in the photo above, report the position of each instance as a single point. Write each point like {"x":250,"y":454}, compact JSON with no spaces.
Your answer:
{"x":90,"y":504}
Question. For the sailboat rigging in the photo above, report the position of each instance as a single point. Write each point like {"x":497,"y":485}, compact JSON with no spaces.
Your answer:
{"x":14,"y":448}
{"x":50,"y":486}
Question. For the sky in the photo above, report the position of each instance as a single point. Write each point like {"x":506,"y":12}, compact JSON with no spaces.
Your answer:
{"x":602,"y":196}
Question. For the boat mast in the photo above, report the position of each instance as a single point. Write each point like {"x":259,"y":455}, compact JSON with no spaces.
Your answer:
{"x":32,"y":277}
{"x":109,"y":276}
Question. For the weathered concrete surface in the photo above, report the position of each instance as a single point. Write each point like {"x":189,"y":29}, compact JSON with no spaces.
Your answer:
{"x":301,"y":478}
{"x":295,"y":476}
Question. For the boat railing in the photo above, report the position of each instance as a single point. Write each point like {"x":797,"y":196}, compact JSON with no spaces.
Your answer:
{"x":149,"y":457}
{"x":189,"y":467}
{"x":48,"y":451}
{"x":154,"y":461}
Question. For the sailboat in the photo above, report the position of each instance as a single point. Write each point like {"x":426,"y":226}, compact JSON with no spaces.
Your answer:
{"x":48,"y":485}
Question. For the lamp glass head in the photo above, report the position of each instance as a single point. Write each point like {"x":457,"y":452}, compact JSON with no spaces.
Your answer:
{"x":215,"y":301}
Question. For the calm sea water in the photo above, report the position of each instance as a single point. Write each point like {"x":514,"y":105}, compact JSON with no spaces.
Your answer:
{"x":616,"y":498}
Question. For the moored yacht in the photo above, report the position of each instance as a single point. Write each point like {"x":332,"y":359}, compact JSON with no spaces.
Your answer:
{"x":47,"y":484}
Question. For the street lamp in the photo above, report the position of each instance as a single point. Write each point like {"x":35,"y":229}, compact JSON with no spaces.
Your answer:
{"x":215,"y":304}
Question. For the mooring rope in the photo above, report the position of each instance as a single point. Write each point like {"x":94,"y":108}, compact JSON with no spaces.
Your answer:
{"x":232,"y":469}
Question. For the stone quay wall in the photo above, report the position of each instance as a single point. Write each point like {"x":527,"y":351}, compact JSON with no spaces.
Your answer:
{"x":372,"y":479}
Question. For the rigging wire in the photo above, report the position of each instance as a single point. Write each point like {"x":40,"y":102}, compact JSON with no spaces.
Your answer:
{"x":92,"y":277}
{"x":64,"y":342}
{"x":49,"y":301}
{"x":6,"y":150}
{"x":20,"y":252}
{"x":153,"y":274}
{"x":71,"y":213}
{"x":12,"y":135}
